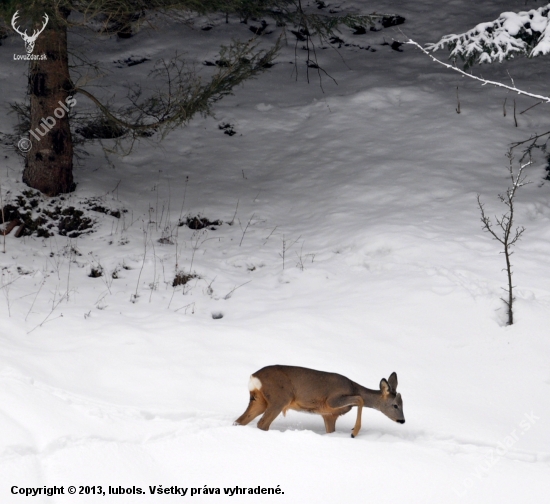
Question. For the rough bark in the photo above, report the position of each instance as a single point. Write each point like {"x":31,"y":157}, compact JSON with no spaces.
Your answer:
{"x":49,"y":163}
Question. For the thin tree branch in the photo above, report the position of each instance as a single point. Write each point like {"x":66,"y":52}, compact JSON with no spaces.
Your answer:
{"x":544,"y":99}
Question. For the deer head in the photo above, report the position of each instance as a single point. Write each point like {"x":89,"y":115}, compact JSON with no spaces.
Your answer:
{"x":391,"y":403}
{"x":29,"y":39}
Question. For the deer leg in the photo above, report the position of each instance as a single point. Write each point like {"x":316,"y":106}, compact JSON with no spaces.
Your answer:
{"x":270,"y":414}
{"x":348,"y":401}
{"x":330,"y":422}
{"x":256,"y":406}
{"x":357,"y":426}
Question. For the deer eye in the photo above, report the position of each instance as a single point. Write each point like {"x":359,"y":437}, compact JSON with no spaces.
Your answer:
{"x":395,"y":406}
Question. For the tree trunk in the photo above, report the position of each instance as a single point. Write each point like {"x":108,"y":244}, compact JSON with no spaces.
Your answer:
{"x":49,"y":164}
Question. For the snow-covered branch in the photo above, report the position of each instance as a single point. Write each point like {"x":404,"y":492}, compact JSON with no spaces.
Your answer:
{"x":524,"y":33}
{"x":513,"y":88}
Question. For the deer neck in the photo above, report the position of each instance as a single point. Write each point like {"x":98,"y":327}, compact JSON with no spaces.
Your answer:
{"x":371,"y":398}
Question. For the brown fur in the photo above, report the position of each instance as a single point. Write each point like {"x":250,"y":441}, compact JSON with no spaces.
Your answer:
{"x":331,"y":395}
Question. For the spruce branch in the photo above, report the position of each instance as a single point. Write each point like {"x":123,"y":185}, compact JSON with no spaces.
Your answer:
{"x":525,"y":33}
{"x":183,"y":94}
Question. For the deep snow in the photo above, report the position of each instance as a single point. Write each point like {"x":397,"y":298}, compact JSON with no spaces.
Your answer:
{"x":368,"y":190}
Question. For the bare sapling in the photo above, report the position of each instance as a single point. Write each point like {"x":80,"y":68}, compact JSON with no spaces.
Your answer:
{"x":286,"y":248}
{"x":302,"y":257}
{"x":504,"y":231}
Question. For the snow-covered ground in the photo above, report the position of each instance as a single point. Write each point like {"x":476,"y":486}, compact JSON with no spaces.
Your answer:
{"x":351,"y":242}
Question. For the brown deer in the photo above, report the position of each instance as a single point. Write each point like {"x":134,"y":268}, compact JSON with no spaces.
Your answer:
{"x":276,"y":389}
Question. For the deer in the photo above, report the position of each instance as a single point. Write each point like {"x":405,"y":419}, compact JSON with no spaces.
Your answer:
{"x":276,"y":389}
{"x":29,"y":39}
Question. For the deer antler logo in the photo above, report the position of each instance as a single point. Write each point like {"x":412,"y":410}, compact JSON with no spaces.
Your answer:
{"x":29,"y":39}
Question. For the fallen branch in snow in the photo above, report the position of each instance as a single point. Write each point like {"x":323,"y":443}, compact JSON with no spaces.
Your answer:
{"x":20,"y":230}
{"x":9,"y":227}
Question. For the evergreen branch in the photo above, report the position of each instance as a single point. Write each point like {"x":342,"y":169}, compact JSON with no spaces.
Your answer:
{"x":185,"y":95}
{"x":513,"y":33}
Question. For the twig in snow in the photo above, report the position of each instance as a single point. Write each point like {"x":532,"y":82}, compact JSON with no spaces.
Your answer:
{"x":234,"y":215}
{"x":34,"y":300}
{"x":270,"y":234}
{"x":134,"y":296}
{"x":529,"y":108}
{"x":244,"y":232}
{"x":230,"y":293}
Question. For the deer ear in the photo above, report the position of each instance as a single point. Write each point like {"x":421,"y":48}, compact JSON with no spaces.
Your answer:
{"x":384,"y":386}
{"x":392,"y":380}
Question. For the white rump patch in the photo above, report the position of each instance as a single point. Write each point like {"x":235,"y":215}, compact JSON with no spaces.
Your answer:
{"x":254,"y":383}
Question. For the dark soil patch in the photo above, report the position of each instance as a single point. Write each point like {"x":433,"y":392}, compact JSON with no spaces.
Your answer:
{"x":96,"y":272}
{"x":106,"y":211}
{"x":259,"y":30}
{"x":183,"y":278}
{"x":227,"y":128}
{"x":395,"y":45}
{"x":95,"y":205}
{"x":131,"y":61}
{"x":388,"y":21}
{"x":73,"y":222}
{"x":341,"y":43}
{"x":199,"y":222}
{"x":30,"y":215}
{"x":20,"y":216}
{"x":166,"y":240}
{"x":300,"y":35}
